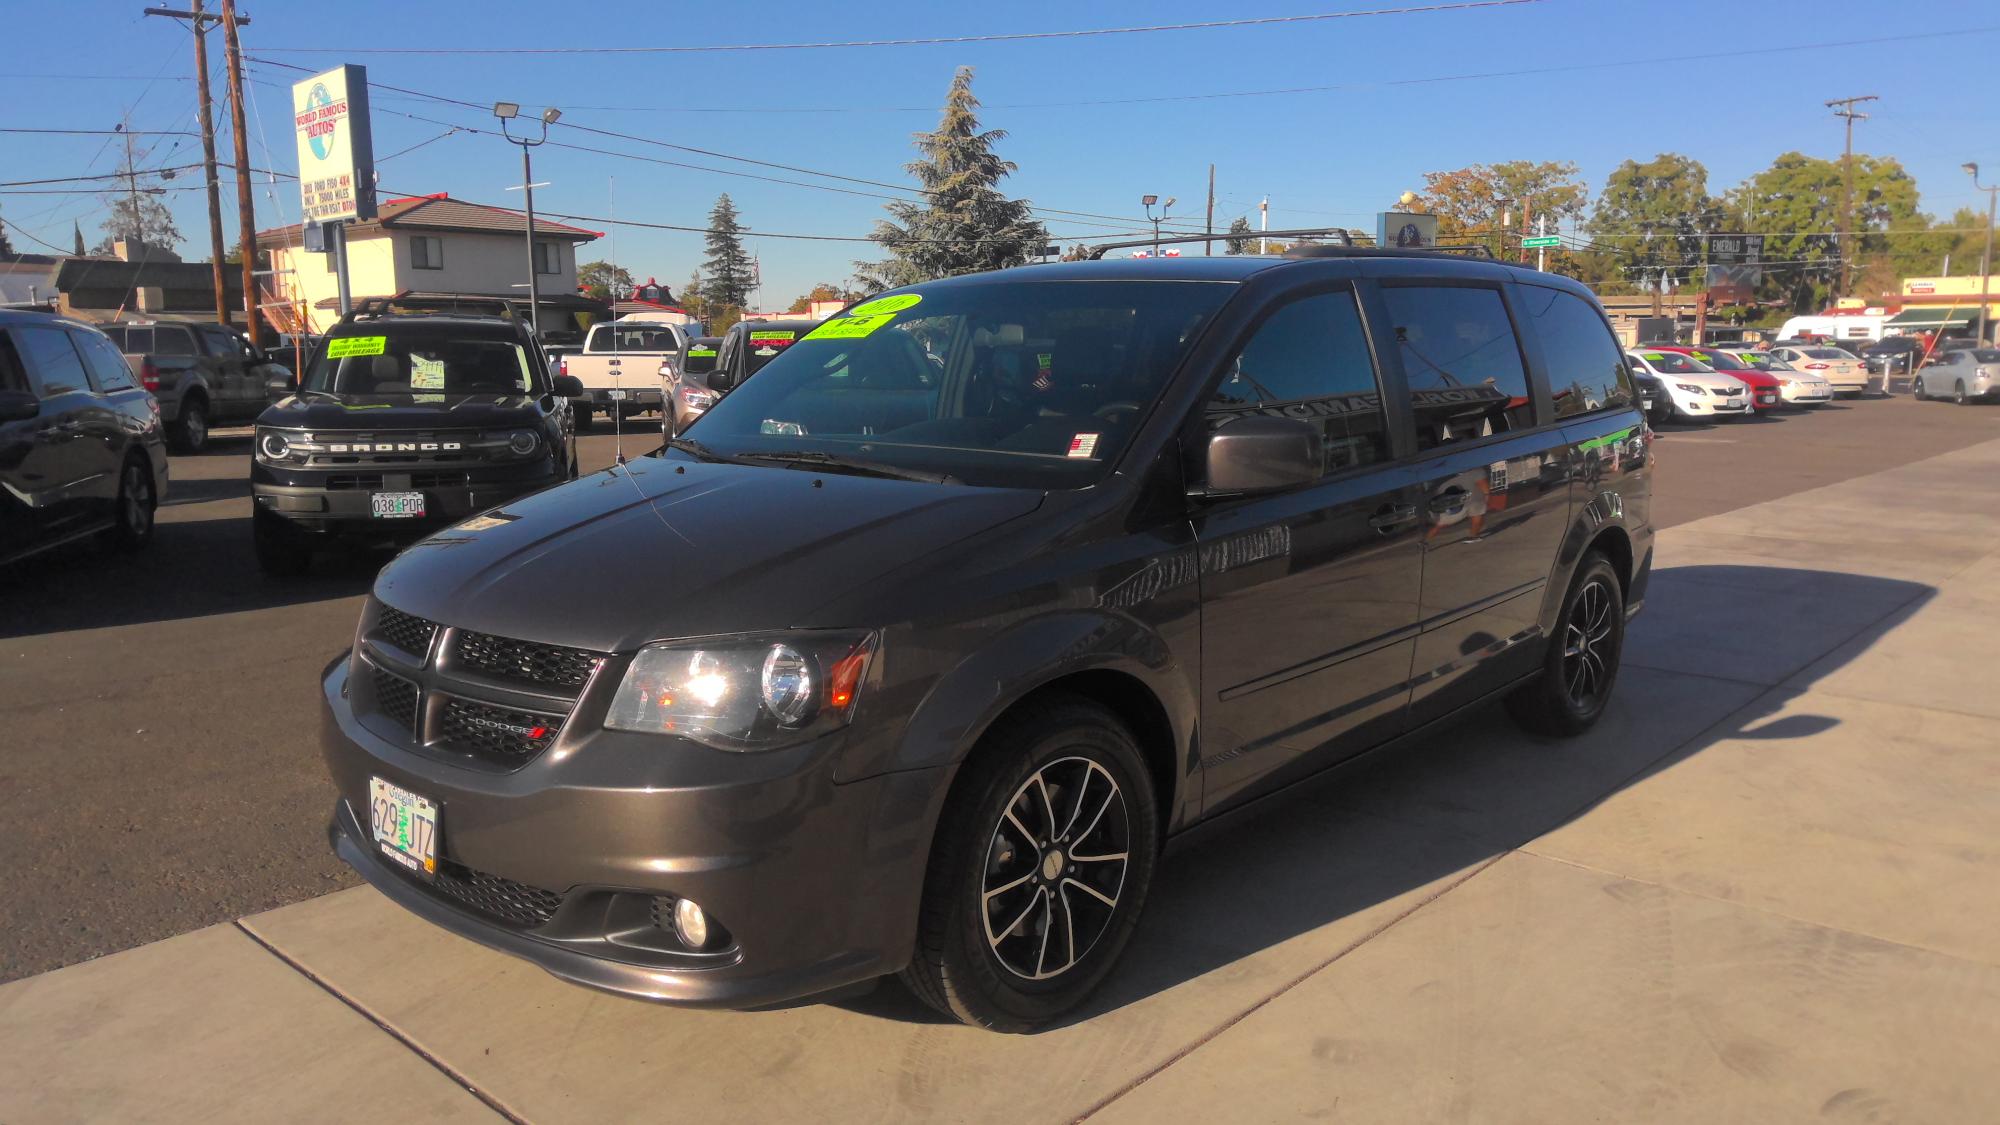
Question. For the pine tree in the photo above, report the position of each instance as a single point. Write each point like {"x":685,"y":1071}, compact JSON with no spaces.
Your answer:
{"x":728,"y":265}
{"x":78,"y":227}
{"x":963,"y":225}
{"x":1241,"y":238}
{"x":6,"y":247}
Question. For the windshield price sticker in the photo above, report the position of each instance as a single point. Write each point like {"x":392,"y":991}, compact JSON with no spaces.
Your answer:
{"x":701,"y":351}
{"x":897,"y":303}
{"x":1654,"y":356}
{"x":426,"y":374}
{"x":771,"y":339}
{"x":850,"y":327}
{"x":356,"y":345}
{"x":1083,"y":445}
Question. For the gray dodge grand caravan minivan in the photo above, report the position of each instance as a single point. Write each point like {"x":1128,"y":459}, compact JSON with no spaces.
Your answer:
{"x":921,"y":643}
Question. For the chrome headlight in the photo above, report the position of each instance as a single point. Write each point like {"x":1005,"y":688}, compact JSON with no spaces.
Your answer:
{"x":744,"y":693}
{"x":1691,"y":388}
{"x":275,"y":447}
{"x":522,"y":443}
{"x":695,"y":398}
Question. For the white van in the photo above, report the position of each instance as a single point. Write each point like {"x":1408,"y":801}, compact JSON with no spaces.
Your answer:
{"x":1833,"y":327}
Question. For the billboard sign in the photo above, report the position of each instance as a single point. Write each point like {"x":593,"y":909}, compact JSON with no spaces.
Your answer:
{"x":1403,"y":229}
{"x":1735,"y":267}
{"x":336,"y":150}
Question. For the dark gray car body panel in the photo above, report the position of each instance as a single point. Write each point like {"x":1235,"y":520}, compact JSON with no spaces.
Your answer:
{"x":981,"y":597}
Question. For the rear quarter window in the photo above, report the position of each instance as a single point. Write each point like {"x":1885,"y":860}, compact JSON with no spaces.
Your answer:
{"x":107,"y":366}
{"x":1462,"y":362}
{"x":1586,"y":371}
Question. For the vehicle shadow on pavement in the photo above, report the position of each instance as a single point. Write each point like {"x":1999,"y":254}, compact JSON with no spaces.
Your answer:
{"x":1407,"y":823}
{"x":195,"y":568}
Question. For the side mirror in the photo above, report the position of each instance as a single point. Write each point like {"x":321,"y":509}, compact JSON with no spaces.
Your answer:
{"x":718,"y":381}
{"x":1257,"y":453}
{"x":568,"y":386}
{"x":278,"y":386}
{"x":18,"y":406}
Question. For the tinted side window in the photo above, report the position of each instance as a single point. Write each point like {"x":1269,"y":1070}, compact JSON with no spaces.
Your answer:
{"x":1585,"y":370}
{"x":224,"y":345}
{"x":12,"y":376}
{"x":1462,"y":361}
{"x":54,"y":362}
{"x":107,"y":368}
{"x":1310,"y":361}
{"x":172,"y":341}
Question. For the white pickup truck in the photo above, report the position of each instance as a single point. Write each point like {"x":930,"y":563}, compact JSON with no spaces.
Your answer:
{"x":625,"y":366}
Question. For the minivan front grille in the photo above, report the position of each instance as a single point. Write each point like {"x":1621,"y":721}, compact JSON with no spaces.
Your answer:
{"x":396,"y":698}
{"x":500,"y":735}
{"x":496,"y":896}
{"x":406,"y":631}
{"x":545,"y":665}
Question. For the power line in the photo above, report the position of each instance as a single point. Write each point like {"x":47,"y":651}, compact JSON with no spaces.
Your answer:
{"x":101,"y":132}
{"x":101,"y":175}
{"x":1015,"y":37}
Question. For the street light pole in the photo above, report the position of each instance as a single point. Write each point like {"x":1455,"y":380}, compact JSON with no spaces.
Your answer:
{"x":1149,"y":201}
{"x":508,"y":111}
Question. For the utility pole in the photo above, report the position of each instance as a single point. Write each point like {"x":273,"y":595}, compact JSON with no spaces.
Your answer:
{"x":1847,"y":111}
{"x":1986,"y":256}
{"x":1542,"y":252}
{"x":1208,"y":225}
{"x":200,"y":21}
{"x":1263,"y":223}
{"x":131,"y":185}
{"x":246,"y":217}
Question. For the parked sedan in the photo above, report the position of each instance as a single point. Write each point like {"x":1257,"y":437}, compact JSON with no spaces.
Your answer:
{"x":1764,"y":387}
{"x":1694,"y":390}
{"x":1963,"y":375}
{"x":1849,"y":377}
{"x":1798,"y":388}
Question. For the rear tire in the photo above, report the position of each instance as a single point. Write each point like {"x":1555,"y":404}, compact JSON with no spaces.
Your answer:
{"x":137,"y":505}
{"x":1583,"y":657}
{"x":1917,"y":389}
{"x":1958,"y":395}
{"x":282,"y":551}
{"x":1051,"y":834}
{"x":189,"y":433}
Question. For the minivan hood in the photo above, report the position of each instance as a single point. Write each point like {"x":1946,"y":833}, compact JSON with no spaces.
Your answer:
{"x":665,"y":548}
{"x":373,"y":413}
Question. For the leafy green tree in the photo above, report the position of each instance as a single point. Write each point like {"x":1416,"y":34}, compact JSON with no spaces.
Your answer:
{"x":824,"y":291}
{"x":601,"y":280}
{"x":141,"y":217}
{"x":1242,"y":240}
{"x":1651,"y":218}
{"x":1472,"y":202}
{"x":729,"y":277}
{"x":1796,"y":205}
{"x":963,"y":224}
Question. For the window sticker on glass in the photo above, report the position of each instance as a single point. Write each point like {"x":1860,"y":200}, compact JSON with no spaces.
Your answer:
{"x":773,"y":337}
{"x":427,"y":398}
{"x":1044,"y":365}
{"x":483,"y":523}
{"x":1651,"y":357}
{"x":1083,"y":445}
{"x":356,"y":345}
{"x":701,"y":351}
{"x":426,"y":374}
{"x":849,"y":327}
{"x":773,"y":426}
{"x":897,"y":303}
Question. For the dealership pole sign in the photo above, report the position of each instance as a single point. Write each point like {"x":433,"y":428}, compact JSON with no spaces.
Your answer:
{"x":1735,"y":267}
{"x":336,"y":150}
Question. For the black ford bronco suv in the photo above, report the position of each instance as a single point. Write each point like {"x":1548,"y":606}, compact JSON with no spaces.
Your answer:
{"x":404,"y":422}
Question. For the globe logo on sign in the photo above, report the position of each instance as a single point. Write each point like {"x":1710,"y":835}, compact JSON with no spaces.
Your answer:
{"x":321,"y":140}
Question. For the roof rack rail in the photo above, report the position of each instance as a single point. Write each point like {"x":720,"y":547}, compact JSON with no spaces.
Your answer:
{"x":1470,"y":250}
{"x":1346,"y":239}
{"x":403,"y":304}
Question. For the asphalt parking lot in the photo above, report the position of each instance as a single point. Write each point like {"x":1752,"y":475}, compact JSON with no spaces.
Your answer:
{"x":163,"y":775}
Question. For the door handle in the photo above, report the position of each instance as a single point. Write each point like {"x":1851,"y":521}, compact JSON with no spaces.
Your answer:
{"x":1450,"y":498}
{"x":1388,"y":517}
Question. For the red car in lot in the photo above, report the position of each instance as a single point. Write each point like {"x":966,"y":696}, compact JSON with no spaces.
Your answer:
{"x":1764,"y":386}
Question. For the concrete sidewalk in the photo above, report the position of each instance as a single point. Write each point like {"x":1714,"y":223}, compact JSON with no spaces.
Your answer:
{"x":1763,"y":889}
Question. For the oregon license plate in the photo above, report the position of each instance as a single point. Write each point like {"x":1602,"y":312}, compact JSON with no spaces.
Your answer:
{"x":405,"y":825}
{"x":615,"y":395}
{"x":396,"y":505}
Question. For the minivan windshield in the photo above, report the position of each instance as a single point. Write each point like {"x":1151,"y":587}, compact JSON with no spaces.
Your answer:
{"x":1026,"y":383}
{"x":413,"y":361}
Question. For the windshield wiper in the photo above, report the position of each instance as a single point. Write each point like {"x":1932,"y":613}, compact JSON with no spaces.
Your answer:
{"x":859,"y":467}
{"x":700,"y":451}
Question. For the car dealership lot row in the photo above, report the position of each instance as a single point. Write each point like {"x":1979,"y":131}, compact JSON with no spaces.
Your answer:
{"x":1789,"y":772}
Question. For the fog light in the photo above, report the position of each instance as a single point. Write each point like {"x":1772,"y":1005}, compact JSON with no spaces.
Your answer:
{"x":690,"y":923}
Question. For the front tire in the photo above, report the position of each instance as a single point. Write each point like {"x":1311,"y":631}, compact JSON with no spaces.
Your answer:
{"x":282,"y":552}
{"x":1917,"y":389}
{"x":189,"y":433}
{"x":1958,"y":396}
{"x":583,"y":418}
{"x":1042,"y":861}
{"x":1583,"y":657}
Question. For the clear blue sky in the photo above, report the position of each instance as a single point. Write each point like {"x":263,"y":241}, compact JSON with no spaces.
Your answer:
{"x":1331,"y":157}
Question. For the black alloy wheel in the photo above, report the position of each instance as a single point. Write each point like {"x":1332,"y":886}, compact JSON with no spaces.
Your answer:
{"x":190,"y":430}
{"x":1581,"y":664}
{"x":1917,"y":389}
{"x":1958,"y":395}
{"x":1043,"y":857}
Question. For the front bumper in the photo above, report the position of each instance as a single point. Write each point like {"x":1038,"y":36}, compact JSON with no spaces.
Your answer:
{"x":310,"y":504}
{"x":815,"y":884}
{"x":630,"y":398}
{"x":1705,"y":406}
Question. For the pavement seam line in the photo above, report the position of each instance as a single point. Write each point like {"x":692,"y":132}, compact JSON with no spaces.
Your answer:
{"x":1755,"y":908}
{"x":1210,"y":1035}
{"x":456,"y":1076}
